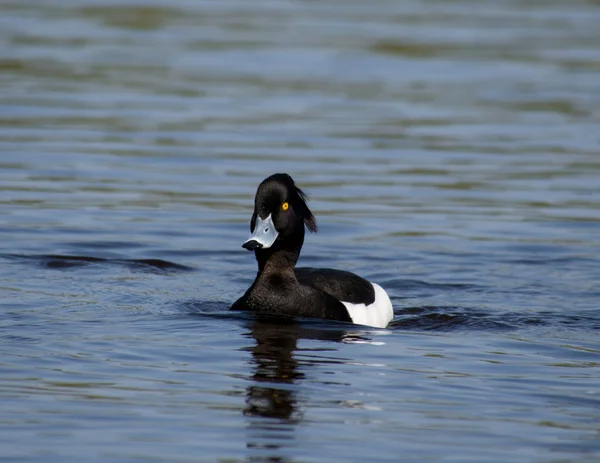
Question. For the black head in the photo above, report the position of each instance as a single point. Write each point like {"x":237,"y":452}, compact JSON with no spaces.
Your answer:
{"x":280,"y":214}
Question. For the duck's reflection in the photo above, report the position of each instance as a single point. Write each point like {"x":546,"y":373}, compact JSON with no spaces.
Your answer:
{"x":274,"y":367}
{"x":274,"y":400}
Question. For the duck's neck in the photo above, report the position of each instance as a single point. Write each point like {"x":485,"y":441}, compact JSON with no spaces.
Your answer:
{"x":276,"y":260}
{"x":282,"y":256}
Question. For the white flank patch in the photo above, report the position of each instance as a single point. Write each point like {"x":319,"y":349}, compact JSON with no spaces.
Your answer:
{"x":377,"y":314}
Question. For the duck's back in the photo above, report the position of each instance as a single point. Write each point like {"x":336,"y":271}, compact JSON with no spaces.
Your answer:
{"x":344,"y":286}
{"x":367,"y":303}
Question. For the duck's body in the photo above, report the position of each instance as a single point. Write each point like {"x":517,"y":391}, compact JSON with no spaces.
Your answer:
{"x":281,"y":289}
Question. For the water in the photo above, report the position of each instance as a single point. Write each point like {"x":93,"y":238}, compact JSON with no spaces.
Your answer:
{"x":451,"y":152}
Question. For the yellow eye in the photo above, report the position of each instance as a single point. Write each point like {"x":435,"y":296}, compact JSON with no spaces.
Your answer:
{"x":285,"y":206}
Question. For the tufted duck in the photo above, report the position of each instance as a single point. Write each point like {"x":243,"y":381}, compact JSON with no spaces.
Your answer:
{"x":281,"y":289}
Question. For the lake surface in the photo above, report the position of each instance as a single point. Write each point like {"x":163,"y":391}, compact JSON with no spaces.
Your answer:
{"x":451,"y":151}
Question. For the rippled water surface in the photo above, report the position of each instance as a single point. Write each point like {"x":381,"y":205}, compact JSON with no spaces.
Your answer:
{"x":452,"y":154}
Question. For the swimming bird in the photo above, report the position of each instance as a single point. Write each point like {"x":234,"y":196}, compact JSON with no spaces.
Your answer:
{"x":280,"y":289}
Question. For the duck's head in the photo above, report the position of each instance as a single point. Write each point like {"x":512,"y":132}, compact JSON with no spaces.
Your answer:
{"x":280,"y":214}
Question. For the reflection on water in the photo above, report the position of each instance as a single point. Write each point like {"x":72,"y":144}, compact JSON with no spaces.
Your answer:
{"x":274,"y":365}
{"x":273,"y":404}
{"x":271,"y":401}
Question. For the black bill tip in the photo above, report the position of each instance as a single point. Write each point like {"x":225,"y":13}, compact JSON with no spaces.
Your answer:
{"x":251,"y":245}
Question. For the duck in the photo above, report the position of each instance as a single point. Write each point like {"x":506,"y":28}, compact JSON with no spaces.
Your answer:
{"x":281,"y":289}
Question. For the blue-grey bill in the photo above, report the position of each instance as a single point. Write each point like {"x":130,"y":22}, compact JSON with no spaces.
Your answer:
{"x":264,"y":232}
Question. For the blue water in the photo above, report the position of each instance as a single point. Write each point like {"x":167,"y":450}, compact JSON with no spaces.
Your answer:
{"x":451,"y":154}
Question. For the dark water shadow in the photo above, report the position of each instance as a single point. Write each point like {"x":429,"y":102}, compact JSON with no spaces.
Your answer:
{"x":68,"y":262}
{"x":456,"y":318}
{"x":450,"y":318}
{"x":410,"y":288}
